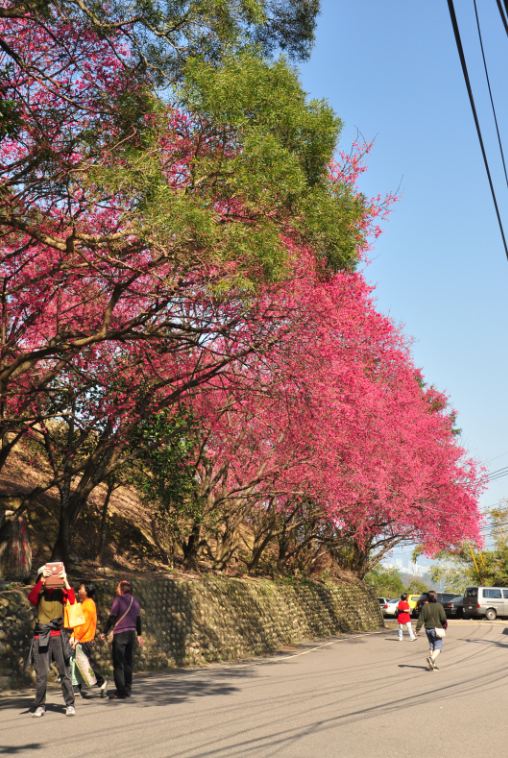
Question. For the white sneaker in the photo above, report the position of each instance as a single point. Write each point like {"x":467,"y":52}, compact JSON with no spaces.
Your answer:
{"x":103,"y":689}
{"x":39,"y":712}
{"x":70,"y":711}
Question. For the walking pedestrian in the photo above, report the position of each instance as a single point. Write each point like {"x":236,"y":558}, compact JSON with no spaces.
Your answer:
{"x":125,"y":622}
{"x":433,"y":616}
{"x":404,"y":618}
{"x":84,"y":635}
{"x":50,"y":642}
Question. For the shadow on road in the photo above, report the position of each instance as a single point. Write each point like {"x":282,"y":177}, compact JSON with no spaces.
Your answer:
{"x":179,"y":687}
{"x":410,"y":666}
{"x":26,"y":702}
{"x":19,"y":749}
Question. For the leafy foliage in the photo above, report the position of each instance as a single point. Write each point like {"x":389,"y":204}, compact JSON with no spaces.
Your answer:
{"x":179,"y":296}
{"x":386,"y":582}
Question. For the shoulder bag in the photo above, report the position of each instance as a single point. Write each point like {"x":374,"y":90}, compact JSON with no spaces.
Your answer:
{"x":111,"y":634}
{"x":73,"y":615}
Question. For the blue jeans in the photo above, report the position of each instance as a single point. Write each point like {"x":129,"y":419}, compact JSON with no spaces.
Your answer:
{"x":435,"y":642}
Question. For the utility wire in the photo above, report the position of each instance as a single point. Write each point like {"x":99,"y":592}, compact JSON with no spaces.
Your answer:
{"x":502,"y":14}
{"x":499,"y":476}
{"x":498,"y":471}
{"x":495,"y":458}
{"x":499,"y":140}
{"x":465,"y":73}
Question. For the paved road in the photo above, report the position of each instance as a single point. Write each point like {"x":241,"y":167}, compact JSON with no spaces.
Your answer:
{"x":361,"y":697}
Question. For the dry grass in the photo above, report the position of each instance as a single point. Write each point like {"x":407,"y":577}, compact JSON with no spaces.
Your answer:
{"x":130,"y":542}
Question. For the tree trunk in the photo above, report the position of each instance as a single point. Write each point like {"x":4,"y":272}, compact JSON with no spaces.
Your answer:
{"x":71,"y":505}
{"x":191,"y":547}
{"x":62,"y":546}
{"x":102,"y":529}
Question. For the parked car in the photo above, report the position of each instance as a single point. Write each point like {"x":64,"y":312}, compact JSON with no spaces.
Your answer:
{"x":390,"y":607}
{"x":453,"y":605}
{"x":413,"y":602}
{"x":444,"y":597}
{"x":488,"y":602}
{"x":418,"y":602}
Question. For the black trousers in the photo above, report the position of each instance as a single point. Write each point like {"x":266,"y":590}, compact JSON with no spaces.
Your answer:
{"x":42,"y":659}
{"x":89,"y":650}
{"x":123,"y":654}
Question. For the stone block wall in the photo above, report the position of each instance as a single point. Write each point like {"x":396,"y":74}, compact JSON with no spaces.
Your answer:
{"x":195,"y":621}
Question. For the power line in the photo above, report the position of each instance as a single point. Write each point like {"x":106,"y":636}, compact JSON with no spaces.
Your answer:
{"x":496,"y":457}
{"x":502,"y":14}
{"x":465,"y":73}
{"x":499,"y":141}
{"x":498,"y":471}
{"x":501,"y":475}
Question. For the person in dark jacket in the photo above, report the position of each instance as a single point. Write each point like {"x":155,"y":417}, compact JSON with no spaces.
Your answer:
{"x":125,"y":622}
{"x":432,"y":616}
{"x":50,"y":643}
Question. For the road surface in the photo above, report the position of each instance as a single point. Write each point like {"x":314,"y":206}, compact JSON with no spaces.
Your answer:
{"x":366,"y":696}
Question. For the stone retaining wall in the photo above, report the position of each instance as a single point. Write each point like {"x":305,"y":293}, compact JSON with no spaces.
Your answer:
{"x":195,"y":621}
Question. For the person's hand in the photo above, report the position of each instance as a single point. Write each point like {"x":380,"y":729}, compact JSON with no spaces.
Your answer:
{"x":63,"y":575}
{"x":43,"y":580}
{"x":73,"y":642}
{"x":141,"y":641}
{"x":45,"y":572}
{"x":102,"y":637}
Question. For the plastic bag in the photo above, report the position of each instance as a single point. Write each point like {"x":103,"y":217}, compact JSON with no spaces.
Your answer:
{"x":83,"y":668}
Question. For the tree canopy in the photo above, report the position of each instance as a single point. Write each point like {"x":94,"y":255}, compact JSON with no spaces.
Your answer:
{"x":179,"y":241}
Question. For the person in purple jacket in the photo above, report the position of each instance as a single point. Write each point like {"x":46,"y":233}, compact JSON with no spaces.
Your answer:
{"x":125,"y":622}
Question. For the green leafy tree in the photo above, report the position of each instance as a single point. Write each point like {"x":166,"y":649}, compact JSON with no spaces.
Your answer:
{"x":387,"y":582}
{"x":470,"y":566}
{"x":162,"y":445}
{"x":416,"y":586}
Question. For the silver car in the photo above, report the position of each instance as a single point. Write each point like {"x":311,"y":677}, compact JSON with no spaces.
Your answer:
{"x":488,"y":602}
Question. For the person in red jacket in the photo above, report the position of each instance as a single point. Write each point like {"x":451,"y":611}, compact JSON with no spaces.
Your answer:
{"x":50,"y":642}
{"x":404,"y":618}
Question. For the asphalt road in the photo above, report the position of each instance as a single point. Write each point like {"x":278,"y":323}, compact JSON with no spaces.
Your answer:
{"x":362,"y":697}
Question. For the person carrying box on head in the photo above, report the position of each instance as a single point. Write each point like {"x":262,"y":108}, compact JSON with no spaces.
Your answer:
{"x":50,"y":643}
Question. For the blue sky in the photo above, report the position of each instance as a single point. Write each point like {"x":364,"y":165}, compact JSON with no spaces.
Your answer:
{"x":391,"y":71}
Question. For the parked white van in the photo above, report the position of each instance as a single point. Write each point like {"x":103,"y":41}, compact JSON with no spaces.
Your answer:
{"x":485,"y":601}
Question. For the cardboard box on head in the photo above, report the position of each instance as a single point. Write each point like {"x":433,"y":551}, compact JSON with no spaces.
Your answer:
{"x":54,"y":579}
